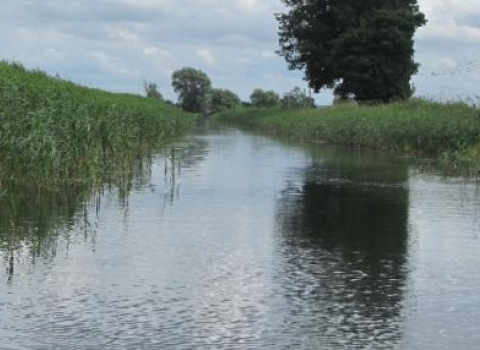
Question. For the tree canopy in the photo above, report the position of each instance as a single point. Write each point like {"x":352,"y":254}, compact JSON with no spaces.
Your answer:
{"x":192,"y":87}
{"x":297,"y":98}
{"x":261,"y":98}
{"x":221,"y":99}
{"x":151,"y":90}
{"x":361,"y":48}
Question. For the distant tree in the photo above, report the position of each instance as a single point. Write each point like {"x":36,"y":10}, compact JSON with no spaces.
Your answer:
{"x":192,"y":87}
{"x":221,"y":99}
{"x":360,"y":48}
{"x":343,"y":100}
{"x":261,"y":98}
{"x":297,"y":98}
{"x":151,"y":90}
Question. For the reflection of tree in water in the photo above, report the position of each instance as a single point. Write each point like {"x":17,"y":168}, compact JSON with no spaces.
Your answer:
{"x":344,"y":239}
{"x":33,"y":222}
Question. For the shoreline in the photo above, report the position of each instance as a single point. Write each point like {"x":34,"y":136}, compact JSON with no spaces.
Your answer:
{"x":449,"y":133}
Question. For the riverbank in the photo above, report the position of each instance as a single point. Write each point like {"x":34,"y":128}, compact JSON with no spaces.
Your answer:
{"x":449,"y":132}
{"x":54,"y":131}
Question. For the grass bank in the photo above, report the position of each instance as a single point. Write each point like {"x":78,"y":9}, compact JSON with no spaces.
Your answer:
{"x":54,"y":131}
{"x":418,"y":128}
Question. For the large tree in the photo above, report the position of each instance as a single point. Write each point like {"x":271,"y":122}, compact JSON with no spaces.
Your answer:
{"x":192,"y":87}
{"x":363,"y":49}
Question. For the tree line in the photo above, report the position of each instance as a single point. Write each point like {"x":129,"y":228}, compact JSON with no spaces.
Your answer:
{"x":363,"y":50}
{"x":196,"y":94}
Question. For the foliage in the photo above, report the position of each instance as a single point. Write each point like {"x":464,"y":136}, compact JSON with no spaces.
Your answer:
{"x":261,"y":98}
{"x":54,"y":131}
{"x":192,"y":87}
{"x":221,"y":99}
{"x":151,"y":90}
{"x":414,"y":127}
{"x":297,"y":98}
{"x":364,"y":48}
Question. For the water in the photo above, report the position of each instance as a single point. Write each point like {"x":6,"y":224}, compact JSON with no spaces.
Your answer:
{"x":237,"y":241}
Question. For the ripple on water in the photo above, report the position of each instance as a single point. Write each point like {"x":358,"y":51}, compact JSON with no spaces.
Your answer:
{"x":261,"y":246}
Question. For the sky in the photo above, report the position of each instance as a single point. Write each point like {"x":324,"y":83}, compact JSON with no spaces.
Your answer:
{"x":116,"y":45}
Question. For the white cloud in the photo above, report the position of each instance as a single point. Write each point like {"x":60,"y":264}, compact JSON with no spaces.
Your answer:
{"x":438,"y":9}
{"x":125,"y":35}
{"x":141,"y":3}
{"x":206,"y":55}
{"x":268,"y":54}
{"x":157,"y":52}
{"x":108,"y":63}
{"x":116,"y":44}
{"x":450,"y":39}
{"x":452,"y":31}
{"x":53,"y":54}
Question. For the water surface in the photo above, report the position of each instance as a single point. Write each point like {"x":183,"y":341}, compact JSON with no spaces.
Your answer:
{"x":237,"y":241}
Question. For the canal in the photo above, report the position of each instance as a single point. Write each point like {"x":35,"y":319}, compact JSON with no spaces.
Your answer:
{"x":231,"y":240}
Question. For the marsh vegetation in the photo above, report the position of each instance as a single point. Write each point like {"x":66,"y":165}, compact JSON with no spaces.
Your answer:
{"x":55,"y":132}
{"x":416,"y":128}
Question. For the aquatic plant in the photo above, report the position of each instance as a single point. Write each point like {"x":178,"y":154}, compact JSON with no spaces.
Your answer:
{"x":55,"y":131}
{"x":416,"y":127}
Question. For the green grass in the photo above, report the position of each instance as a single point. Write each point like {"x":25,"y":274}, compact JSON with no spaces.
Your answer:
{"x":413,"y":128}
{"x":54,"y":131}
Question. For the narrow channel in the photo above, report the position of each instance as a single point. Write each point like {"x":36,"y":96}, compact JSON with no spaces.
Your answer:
{"x":231,"y":240}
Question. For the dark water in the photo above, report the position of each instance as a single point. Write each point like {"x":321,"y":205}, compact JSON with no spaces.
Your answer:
{"x":238,"y":241}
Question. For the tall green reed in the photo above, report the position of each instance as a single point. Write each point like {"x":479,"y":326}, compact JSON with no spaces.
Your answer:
{"x":415,"y":128}
{"x":54,"y":131}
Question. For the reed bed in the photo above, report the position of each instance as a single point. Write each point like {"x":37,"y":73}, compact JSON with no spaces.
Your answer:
{"x":416,"y":127}
{"x":55,"y":132}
